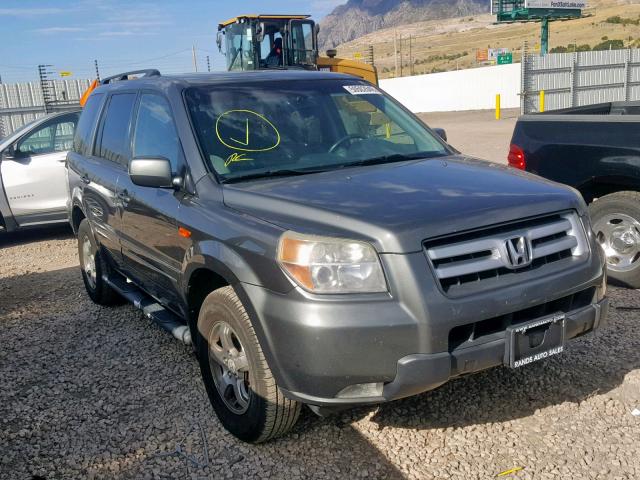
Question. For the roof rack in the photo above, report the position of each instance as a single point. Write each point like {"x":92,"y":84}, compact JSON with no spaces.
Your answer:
{"x":150,"y":72}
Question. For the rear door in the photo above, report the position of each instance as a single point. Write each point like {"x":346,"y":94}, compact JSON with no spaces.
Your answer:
{"x":35,"y":179}
{"x":151,"y":246}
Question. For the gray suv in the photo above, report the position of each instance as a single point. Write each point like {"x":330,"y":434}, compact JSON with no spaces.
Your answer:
{"x":318,"y":243}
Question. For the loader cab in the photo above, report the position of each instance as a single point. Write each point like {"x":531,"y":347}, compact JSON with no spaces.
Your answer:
{"x":255,"y":42}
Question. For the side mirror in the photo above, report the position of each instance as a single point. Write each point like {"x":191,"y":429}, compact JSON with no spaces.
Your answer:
{"x":9,"y":153}
{"x":219,"y":41}
{"x":151,"y":172}
{"x":260,"y":33}
{"x":441,"y":133}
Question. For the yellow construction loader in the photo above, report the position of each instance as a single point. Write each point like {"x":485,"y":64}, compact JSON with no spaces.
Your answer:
{"x":260,"y":42}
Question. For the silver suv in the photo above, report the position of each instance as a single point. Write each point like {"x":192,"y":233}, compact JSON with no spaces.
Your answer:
{"x":33,"y":183}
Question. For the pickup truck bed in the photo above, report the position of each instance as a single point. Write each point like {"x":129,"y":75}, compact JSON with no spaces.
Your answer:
{"x":595,"y":149}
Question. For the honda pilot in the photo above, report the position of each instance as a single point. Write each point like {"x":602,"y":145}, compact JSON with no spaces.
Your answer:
{"x":318,"y":244}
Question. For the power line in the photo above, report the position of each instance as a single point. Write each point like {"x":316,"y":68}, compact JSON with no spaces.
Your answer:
{"x":119,"y":63}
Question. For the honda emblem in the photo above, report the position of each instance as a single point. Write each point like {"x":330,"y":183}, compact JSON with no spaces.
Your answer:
{"x":518,"y":252}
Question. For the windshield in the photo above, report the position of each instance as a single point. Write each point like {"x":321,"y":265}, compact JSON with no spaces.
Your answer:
{"x":301,"y":127}
{"x":239,"y":42}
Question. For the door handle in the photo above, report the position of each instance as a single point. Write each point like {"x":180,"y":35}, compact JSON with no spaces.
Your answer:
{"x":85,"y":179}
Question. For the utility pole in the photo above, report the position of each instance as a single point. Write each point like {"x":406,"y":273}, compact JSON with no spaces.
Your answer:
{"x":395,"y":50}
{"x":401,"y":59}
{"x":95,"y":62}
{"x":195,"y":64}
{"x":411,"y":54}
{"x":208,"y":64}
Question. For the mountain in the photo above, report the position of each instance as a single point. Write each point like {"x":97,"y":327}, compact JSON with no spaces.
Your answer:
{"x":359,"y":17}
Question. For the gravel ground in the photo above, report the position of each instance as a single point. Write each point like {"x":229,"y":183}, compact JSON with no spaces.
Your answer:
{"x":89,"y":392}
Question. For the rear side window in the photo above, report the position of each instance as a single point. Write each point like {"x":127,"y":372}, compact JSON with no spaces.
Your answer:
{"x":155,"y":133}
{"x":82,"y":139}
{"x":115,"y":131}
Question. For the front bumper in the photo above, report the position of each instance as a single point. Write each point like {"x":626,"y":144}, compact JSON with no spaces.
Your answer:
{"x":419,"y":373}
{"x":318,"y":346}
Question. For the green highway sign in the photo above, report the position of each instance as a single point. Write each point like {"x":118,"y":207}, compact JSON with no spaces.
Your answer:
{"x":505,"y":59}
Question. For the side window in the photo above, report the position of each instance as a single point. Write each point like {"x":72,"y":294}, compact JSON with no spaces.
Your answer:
{"x":114,"y":140}
{"x":63,"y":135}
{"x":82,"y":139}
{"x":155,"y":133}
{"x":53,"y":137}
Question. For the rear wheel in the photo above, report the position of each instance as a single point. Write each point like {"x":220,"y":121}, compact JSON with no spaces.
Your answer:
{"x":616,"y":224}
{"x":93,"y":266}
{"x":238,"y":380}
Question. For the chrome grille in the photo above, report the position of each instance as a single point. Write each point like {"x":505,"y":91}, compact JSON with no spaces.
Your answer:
{"x":486,"y":254}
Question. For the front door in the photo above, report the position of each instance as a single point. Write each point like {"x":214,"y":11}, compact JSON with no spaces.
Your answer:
{"x":103,"y":170}
{"x":151,"y":243}
{"x":35,"y":178}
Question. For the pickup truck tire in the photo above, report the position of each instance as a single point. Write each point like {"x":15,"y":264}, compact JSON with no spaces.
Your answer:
{"x":238,"y":380}
{"x":616,"y":223}
{"x":93,"y":266}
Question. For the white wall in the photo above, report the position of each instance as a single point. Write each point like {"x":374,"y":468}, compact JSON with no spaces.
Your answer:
{"x":472,"y":89}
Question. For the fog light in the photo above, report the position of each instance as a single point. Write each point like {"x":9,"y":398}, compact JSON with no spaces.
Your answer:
{"x":361,"y":390}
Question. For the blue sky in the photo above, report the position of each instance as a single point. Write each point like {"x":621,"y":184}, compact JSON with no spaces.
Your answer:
{"x":122,"y":35}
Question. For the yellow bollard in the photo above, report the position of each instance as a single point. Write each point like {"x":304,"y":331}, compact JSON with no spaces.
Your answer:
{"x":498,"y":113}
{"x":541,"y":100}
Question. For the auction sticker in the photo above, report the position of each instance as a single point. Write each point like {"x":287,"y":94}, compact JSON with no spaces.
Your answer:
{"x":362,"y":90}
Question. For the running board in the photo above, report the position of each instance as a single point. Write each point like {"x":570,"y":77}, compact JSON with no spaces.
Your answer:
{"x":152,"y":309}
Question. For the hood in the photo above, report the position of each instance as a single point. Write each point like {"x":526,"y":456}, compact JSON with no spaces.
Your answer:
{"x":397,"y":206}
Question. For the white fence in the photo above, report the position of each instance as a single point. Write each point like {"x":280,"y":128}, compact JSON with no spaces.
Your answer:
{"x":472,"y":89}
{"x":582,"y":78}
{"x":22,"y":103}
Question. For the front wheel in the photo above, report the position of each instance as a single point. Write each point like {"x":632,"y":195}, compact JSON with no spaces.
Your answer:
{"x":238,"y":380}
{"x":616,"y":225}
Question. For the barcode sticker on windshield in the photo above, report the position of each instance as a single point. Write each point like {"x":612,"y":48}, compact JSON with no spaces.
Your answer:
{"x":362,"y":90}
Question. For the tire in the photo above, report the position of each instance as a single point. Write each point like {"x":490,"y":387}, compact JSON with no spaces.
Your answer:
{"x":99,"y":291}
{"x":615,"y":220}
{"x":247,"y":400}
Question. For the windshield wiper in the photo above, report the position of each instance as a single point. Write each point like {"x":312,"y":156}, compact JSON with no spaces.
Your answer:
{"x":271,"y":174}
{"x":396,"y":157}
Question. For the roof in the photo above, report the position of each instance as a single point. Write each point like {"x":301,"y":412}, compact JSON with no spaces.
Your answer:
{"x":192,"y":79}
{"x":261,"y":17}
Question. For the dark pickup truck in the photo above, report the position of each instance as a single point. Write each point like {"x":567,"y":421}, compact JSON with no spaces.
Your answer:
{"x":595,"y":149}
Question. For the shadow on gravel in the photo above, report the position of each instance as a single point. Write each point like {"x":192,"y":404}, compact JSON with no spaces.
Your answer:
{"x":39,"y":292}
{"x":592,"y":365}
{"x":59,"y":232}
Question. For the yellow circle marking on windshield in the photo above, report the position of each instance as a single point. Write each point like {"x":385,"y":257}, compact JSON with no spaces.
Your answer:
{"x":244,"y":144}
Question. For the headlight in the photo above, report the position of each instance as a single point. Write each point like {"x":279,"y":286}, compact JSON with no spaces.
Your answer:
{"x":331,"y":265}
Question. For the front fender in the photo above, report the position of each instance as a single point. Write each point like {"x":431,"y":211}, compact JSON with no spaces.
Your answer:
{"x":224,"y":261}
